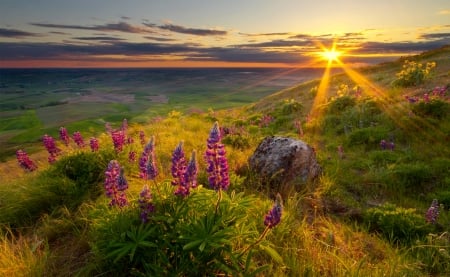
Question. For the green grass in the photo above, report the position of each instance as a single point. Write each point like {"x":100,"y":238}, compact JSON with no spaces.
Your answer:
{"x":364,"y":216}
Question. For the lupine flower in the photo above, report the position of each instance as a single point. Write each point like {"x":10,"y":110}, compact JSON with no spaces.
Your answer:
{"x":78,"y":139}
{"x":340,"y":151}
{"x":142,"y":137}
{"x":124,"y":125}
{"x":217,"y":164}
{"x":64,"y":135}
{"x":188,"y":178}
{"x":24,"y":161}
{"x":145,"y":203}
{"x":147,"y":164}
{"x":130,"y":140}
{"x":108,"y":127}
{"x":178,"y":165}
{"x":433,"y":212}
{"x":93,"y":142}
{"x":132,"y":156}
{"x":115,"y":184}
{"x":118,"y":138}
{"x":391,"y":145}
{"x":273,"y":217}
{"x":383,"y":144}
{"x":426,"y":98}
{"x":298,"y":126}
{"x":50,"y":145}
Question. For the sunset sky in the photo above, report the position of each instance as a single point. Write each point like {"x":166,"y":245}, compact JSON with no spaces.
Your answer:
{"x":216,"y":33}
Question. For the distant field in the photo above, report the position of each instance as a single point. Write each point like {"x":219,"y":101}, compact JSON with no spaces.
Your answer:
{"x":38,"y":101}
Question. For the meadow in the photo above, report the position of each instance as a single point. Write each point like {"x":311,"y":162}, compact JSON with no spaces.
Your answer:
{"x":380,"y":133}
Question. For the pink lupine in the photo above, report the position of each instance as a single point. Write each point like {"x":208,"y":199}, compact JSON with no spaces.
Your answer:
{"x":64,"y":135}
{"x":93,"y":142}
{"x":78,"y":139}
{"x":24,"y":161}
{"x":118,"y":138}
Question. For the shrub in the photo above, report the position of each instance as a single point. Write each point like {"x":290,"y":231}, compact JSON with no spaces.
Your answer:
{"x":412,"y":176}
{"x":370,"y":136}
{"x":413,"y":73}
{"x":340,"y":104}
{"x":435,"y":108}
{"x":397,"y":224}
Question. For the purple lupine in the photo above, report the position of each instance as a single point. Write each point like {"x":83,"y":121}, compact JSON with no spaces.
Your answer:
{"x":273,"y":217}
{"x":130,"y":140}
{"x":115,"y":184}
{"x":391,"y":145}
{"x":217,"y":164}
{"x":190,"y":176}
{"x":142,"y":137}
{"x":64,"y":135}
{"x":24,"y":161}
{"x":145,"y":203}
{"x":383,"y":144}
{"x":147,"y":163}
{"x":432,"y":212}
{"x":78,"y":139}
{"x":93,"y":143}
{"x":178,"y":165}
{"x":118,"y":138}
{"x":426,"y":98}
{"x":189,"y":179}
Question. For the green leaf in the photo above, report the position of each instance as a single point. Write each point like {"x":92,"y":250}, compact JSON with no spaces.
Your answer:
{"x":272,"y":253}
{"x":202,"y":246}
{"x":192,"y":244}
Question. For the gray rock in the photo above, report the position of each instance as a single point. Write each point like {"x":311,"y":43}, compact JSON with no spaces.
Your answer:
{"x":281,"y":161}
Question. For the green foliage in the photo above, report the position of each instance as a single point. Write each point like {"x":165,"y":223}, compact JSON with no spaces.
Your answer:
{"x":370,"y":136}
{"x":237,"y":141}
{"x":435,"y":108}
{"x":434,"y":253}
{"x":397,"y":224}
{"x":412,"y":176}
{"x":413,"y":73}
{"x":340,"y":104}
{"x":186,"y":237}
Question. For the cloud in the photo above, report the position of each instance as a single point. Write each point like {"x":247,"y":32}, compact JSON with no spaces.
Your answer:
{"x":444,"y":12}
{"x":12,"y":33}
{"x":110,"y":27}
{"x":99,"y":38}
{"x":125,"y":18}
{"x":159,"y":38}
{"x":433,"y":36}
{"x":189,"y":31}
{"x":402,"y":47}
{"x":58,"y":33}
{"x":263,"y":34}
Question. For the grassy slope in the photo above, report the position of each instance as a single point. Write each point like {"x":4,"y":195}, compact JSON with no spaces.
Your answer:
{"x":324,"y":229}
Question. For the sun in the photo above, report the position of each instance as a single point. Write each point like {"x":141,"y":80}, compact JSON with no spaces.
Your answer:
{"x":330,"y":55}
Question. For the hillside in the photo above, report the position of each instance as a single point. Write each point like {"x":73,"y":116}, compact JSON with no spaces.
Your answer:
{"x":381,"y":134}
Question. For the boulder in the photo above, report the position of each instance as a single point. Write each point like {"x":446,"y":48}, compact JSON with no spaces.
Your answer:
{"x":284,"y":161}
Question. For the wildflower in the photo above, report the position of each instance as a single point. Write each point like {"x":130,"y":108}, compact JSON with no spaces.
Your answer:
{"x":50,"y":145}
{"x":118,"y":138}
{"x":147,"y":163}
{"x":340,"y":151}
{"x":178,"y":165}
{"x":426,"y":98}
{"x":217,"y":164}
{"x":108,"y":127}
{"x":78,"y":139}
{"x":391,"y":145}
{"x":130,"y":140}
{"x":383,"y":144}
{"x":93,"y":142}
{"x":24,"y":161}
{"x":64,"y":135}
{"x":189,"y":179}
{"x":124,"y":125}
{"x":142,"y":137}
{"x":145,"y":203}
{"x":273,"y":217}
{"x":132,"y":156}
{"x":433,"y":212}
{"x":115,"y":184}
